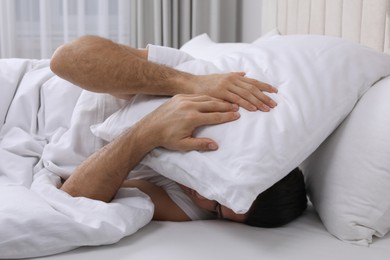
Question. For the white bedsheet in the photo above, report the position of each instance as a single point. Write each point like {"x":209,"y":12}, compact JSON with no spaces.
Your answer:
{"x":305,"y":238}
{"x":43,"y":138}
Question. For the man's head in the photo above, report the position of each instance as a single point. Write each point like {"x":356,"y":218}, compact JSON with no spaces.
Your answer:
{"x":281,"y":203}
{"x":278,"y":205}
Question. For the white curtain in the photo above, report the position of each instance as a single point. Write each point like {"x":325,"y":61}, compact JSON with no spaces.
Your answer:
{"x":35,"y":28}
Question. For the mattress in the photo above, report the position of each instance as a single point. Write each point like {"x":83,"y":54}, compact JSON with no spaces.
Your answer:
{"x":305,"y":238}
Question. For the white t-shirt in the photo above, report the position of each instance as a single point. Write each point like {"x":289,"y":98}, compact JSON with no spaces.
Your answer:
{"x":167,"y":56}
{"x":173,"y":190}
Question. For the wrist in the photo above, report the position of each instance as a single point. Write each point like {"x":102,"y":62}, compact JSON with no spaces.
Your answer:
{"x":146,"y":135}
{"x":180,"y":83}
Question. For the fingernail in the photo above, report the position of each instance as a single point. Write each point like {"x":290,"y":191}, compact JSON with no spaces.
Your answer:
{"x":236,"y":115}
{"x":212,"y":146}
{"x":275,"y":89}
{"x":266,"y":108}
{"x":235,"y":107}
{"x":273,"y":103}
{"x":253,"y":108}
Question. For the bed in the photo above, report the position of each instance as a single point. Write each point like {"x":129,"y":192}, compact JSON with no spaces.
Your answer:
{"x":347,"y":218}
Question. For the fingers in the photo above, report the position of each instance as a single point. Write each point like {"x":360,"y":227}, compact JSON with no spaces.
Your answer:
{"x":255,"y":83}
{"x":199,"y":144}
{"x":248,"y":93}
{"x":235,"y":88}
{"x":205,"y":104}
{"x":252,"y":100}
{"x":206,"y":110}
{"x":216,"y":106}
{"x":260,"y":85}
{"x":197,"y":98}
{"x":217,"y":118}
{"x":177,"y":119}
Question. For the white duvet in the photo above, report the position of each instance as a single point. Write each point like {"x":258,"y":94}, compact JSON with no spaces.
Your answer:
{"x":44,"y":135}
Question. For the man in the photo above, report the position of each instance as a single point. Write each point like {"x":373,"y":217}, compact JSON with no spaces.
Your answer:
{"x":100,"y":65}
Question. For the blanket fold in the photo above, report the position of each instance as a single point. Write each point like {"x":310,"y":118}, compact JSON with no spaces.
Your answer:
{"x":44,"y":135}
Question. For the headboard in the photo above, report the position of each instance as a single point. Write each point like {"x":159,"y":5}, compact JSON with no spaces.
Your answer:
{"x":363,"y":21}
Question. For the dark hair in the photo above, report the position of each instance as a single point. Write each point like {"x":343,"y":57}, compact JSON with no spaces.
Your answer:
{"x":281,"y":203}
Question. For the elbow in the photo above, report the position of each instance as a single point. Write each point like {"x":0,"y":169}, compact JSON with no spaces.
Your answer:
{"x":77,"y":191}
{"x":63,"y":60}
{"x":69,"y":59}
{"x":58,"y":61}
{"x":65,"y":57}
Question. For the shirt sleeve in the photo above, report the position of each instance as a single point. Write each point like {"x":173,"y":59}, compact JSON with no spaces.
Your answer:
{"x":174,"y":192}
{"x":167,"y":56}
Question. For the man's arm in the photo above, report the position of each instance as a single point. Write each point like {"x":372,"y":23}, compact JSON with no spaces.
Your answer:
{"x":100,"y":65}
{"x":170,"y":126}
{"x":165,"y":208}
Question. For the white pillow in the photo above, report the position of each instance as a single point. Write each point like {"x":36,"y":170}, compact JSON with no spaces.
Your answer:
{"x":202,"y":47}
{"x":319,"y":80}
{"x":348,"y":177}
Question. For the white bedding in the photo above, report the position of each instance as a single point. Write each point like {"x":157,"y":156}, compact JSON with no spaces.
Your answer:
{"x":45,"y":136}
{"x":45,"y":119}
{"x":305,"y":238}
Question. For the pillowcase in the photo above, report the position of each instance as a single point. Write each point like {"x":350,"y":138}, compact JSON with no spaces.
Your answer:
{"x":202,"y":47}
{"x":348,"y":177}
{"x":319,"y":79}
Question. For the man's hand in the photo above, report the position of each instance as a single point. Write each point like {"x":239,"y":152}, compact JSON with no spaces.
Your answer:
{"x":236,"y":88}
{"x":170,"y":126}
{"x":173,"y":123}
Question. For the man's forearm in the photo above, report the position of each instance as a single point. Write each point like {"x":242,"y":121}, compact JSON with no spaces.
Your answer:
{"x":101,"y":175}
{"x":170,"y":126}
{"x":100,"y":65}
